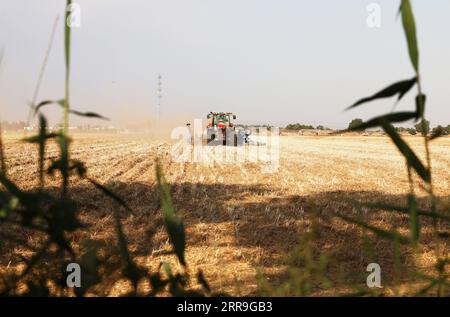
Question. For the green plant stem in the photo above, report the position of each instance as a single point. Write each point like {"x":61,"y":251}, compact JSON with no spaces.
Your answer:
{"x":2,"y":153}
{"x":67,"y":57}
{"x":430,"y":184}
{"x":427,"y":153}
{"x":410,"y":180}
{"x":65,"y":128}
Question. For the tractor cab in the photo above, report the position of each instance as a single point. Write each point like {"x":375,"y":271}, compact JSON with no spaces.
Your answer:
{"x":221,"y":129}
{"x":221,"y":120}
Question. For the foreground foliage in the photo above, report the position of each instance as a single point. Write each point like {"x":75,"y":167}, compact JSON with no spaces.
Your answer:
{"x":56,"y":215}
{"x":310,"y":273}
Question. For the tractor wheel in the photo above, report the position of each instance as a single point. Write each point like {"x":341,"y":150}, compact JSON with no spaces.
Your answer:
{"x":211,"y":139}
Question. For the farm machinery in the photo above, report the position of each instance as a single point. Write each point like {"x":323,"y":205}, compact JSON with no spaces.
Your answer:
{"x":222,"y":130}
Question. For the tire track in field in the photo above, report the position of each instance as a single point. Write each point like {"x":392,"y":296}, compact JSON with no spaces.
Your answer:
{"x":104,"y":170}
{"x":140,"y":168}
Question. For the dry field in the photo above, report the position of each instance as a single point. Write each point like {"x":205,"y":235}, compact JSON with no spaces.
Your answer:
{"x":238,"y":219}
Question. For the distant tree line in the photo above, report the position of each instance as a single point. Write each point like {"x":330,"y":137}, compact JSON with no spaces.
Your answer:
{"x":411,"y":131}
{"x":422,"y":127}
{"x":442,"y":130}
{"x":298,"y":126}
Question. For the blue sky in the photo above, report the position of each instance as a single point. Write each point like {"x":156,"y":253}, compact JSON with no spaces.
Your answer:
{"x":268,"y":61}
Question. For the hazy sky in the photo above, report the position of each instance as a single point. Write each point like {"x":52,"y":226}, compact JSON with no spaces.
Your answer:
{"x":269,"y":61}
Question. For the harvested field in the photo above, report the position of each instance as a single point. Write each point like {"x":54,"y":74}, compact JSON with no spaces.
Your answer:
{"x":238,"y":219}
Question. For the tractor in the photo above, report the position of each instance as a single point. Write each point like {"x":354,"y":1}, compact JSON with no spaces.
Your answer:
{"x":221,"y":130}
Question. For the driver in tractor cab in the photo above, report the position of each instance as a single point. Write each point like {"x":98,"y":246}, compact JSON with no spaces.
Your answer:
{"x":221,"y":120}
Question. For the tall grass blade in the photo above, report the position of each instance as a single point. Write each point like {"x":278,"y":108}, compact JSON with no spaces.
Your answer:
{"x":413,"y":218}
{"x":409,"y":26}
{"x":409,"y":154}
{"x":88,"y":114}
{"x":400,"y":88}
{"x":420,"y":105}
{"x":2,"y":153}
{"x":36,"y":138}
{"x":36,"y":108}
{"x":60,"y":102}
{"x":67,"y":34}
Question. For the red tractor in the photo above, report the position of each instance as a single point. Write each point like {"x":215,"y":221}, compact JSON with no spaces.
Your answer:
{"x":221,"y":130}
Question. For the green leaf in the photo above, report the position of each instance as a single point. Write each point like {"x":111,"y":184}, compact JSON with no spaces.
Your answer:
{"x":400,"y":88}
{"x":61,"y":103}
{"x":37,"y":138}
{"x":390,"y":235}
{"x":88,"y":114}
{"x":174,"y":225}
{"x":413,"y":218}
{"x":409,"y":155}
{"x":390,"y":117}
{"x":409,"y":26}
{"x":46,"y":103}
{"x":420,"y":105}
{"x":2,"y":153}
